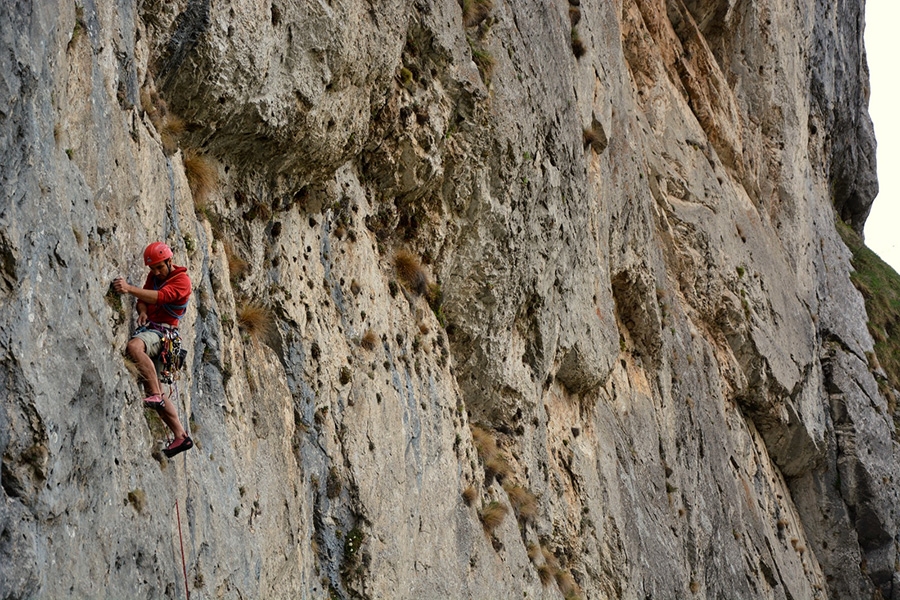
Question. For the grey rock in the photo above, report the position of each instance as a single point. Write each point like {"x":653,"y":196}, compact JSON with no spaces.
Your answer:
{"x":633,"y":284}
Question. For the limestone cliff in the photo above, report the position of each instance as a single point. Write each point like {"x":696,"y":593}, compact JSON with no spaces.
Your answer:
{"x":492,"y":299}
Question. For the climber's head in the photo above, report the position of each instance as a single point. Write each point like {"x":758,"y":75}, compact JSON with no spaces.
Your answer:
{"x":158,"y":257}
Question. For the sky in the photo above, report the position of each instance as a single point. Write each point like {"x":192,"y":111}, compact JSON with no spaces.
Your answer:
{"x":882,"y":229}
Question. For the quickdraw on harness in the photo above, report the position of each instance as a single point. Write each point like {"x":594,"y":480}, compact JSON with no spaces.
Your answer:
{"x":172,"y":356}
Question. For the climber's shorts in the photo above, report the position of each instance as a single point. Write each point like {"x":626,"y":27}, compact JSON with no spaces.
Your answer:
{"x":152,"y":340}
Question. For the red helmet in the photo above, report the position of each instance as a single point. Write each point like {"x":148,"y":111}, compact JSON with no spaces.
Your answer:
{"x":156,"y":253}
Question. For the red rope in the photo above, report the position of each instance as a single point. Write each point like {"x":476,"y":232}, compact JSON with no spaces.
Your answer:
{"x":187,"y":594}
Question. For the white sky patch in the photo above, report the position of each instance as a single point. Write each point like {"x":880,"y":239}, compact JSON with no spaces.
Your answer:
{"x":883,"y":50}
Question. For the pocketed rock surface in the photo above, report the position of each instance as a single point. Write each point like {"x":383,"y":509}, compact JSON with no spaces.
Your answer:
{"x":626,"y":274}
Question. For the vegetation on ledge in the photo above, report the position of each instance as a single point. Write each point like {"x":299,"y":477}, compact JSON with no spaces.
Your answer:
{"x":880,"y":286}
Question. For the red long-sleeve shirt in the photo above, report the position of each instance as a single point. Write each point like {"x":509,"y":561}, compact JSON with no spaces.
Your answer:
{"x":174,"y":292}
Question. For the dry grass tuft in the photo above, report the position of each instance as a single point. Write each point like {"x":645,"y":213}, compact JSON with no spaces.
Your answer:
{"x":475,"y":11}
{"x":492,"y":516}
{"x":169,"y":143}
{"x":550,"y":559}
{"x":523,"y":502}
{"x":369,"y":340}
{"x":132,"y":367}
{"x":574,"y":15}
{"x":410,"y":272}
{"x":485,"y":62}
{"x":146,"y":99}
{"x":173,"y":124}
{"x":578,"y":47}
{"x":546,"y":573}
{"x":169,"y":125}
{"x":549,"y":570}
{"x":256,"y":320}
{"x":567,"y":586}
{"x":495,"y":464}
{"x":170,"y":128}
{"x":202,"y":176}
{"x":484,"y":443}
{"x":498,"y":468}
{"x":469,"y":494}
{"x":591,"y":139}
{"x":138,"y":499}
{"x":435,"y":296}
{"x":237,"y":266}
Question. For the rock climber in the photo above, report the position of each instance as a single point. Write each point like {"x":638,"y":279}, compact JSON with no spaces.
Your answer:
{"x":160,"y":304}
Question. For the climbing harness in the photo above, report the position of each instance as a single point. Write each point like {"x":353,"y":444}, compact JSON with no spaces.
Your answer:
{"x":172,"y":356}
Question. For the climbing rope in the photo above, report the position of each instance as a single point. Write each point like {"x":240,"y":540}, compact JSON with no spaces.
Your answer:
{"x":187,"y":593}
{"x":169,"y":378}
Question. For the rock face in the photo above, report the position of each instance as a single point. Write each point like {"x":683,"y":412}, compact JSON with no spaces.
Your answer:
{"x":603,"y":232}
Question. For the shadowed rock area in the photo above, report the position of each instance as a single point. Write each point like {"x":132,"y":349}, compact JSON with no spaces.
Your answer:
{"x":492,"y":299}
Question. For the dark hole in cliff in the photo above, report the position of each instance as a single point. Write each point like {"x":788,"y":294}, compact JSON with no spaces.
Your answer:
{"x":636,"y":312}
{"x":333,"y":483}
{"x":505,"y":429}
{"x":276,"y":16}
{"x":301,"y":197}
{"x":11,"y":484}
{"x":410,"y":225}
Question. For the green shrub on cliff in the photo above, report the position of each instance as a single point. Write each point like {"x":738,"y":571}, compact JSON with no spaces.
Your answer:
{"x":880,"y":286}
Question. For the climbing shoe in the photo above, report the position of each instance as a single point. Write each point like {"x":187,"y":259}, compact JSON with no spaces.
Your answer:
{"x":178,"y":446}
{"x":156,"y":402}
